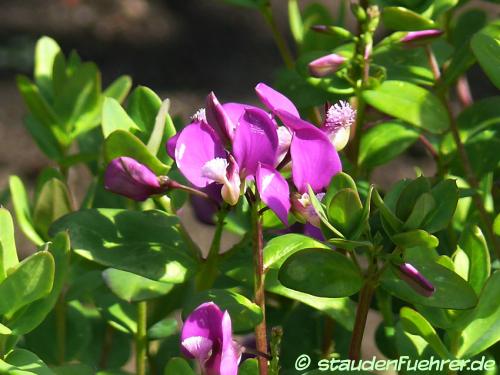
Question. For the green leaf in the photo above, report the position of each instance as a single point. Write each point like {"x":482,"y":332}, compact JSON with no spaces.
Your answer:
{"x":349,"y":245}
{"x":164,"y":328}
{"x":486,"y":47}
{"x":384,"y":142}
{"x":409,"y":195}
{"x":424,"y":205}
{"x":278,"y":249}
{"x":24,"y":362}
{"x":249,"y":367}
{"x":74,"y":369}
{"x":445,"y":194}
{"x":145,"y":243}
{"x":482,"y":324}
{"x":114,"y":117}
{"x":178,"y":366}
{"x":143,"y":106}
{"x":40,"y":108}
{"x":386,"y":212}
{"x":409,"y":103}
{"x":496,"y":225}
{"x":321,"y":273}
{"x":452,"y":292}
{"x":52,"y":202}
{"x":320,"y":211}
{"x":79,"y":99}
{"x":29,"y":318}
{"x":131,"y":287}
{"x":481,"y":115}
{"x":245,"y":315}
{"x":473,"y":243}
{"x":5,"y":330}
{"x":119,"y":314}
{"x":29,"y":281}
{"x":46,"y":50}
{"x":119,"y":88}
{"x":344,"y":211}
{"x":121,"y":143}
{"x":163,"y":129}
{"x":415,"y":238}
{"x":43,"y":137}
{"x":416,"y":324}
{"x":402,"y":19}
{"x":295,"y":20}
{"x":22,"y":210}
{"x":8,"y":252}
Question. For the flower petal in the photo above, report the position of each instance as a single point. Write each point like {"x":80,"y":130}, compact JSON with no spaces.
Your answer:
{"x":231,"y":353}
{"x":199,"y":347}
{"x":171,"y":143}
{"x":218,"y":119}
{"x":255,"y":140}
{"x":314,"y":159}
{"x":274,"y":191}
{"x":275,"y":100}
{"x":197,"y":144}
{"x":205,"y":321}
{"x":128,"y":177}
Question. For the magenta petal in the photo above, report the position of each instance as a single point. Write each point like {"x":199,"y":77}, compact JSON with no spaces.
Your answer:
{"x":235,"y":111}
{"x":314,"y":159}
{"x":128,"y":177}
{"x":205,"y":321}
{"x":231,"y":353}
{"x":274,"y":191}
{"x":171,"y":143}
{"x":414,"y":36}
{"x":325,"y":65}
{"x":218,"y":119}
{"x":255,"y":140}
{"x":275,"y":100}
{"x":196,"y":145}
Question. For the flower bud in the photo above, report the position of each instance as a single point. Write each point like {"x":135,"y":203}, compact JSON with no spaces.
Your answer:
{"x":218,"y":119}
{"x":232,"y":184}
{"x":303,"y":208}
{"x":415,"y":279}
{"x":128,"y":177}
{"x":338,"y":121}
{"x":326,"y":65}
{"x":333,"y":30}
{"x":421,"y":36}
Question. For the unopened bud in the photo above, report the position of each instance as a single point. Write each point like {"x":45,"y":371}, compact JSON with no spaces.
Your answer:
{"x":326,"y":65}
{"x":415,"y":279}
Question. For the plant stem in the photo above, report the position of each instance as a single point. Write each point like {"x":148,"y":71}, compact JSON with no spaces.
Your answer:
{"x":357,"y":131}
{"x":286,"y":55}
{"x":260,"y":299}
{"x":141,"y":340}
{"x":432,"y":62}
{"x":365,"y":299}
{"x":208,"y":274}
{"x":60,"y":311}
{"x":328,"y":336}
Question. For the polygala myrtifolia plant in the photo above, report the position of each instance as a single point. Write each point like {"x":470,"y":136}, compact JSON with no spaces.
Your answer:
{"x":320,"y":246}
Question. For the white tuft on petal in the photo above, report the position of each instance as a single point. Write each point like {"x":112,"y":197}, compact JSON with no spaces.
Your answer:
{"x":215,"y":170}
{"x":199,"y":347}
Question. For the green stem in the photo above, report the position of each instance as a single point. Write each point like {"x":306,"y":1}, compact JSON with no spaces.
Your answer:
{"x":3,"y":340}
{"x":358,"y":130}
{"x":208,"y":274}
{"x":260,"y":298}
{"x":286,"y":55}
{"x":61,"y":328}
{"x":141,"y":340}
{"x":365,"y":299}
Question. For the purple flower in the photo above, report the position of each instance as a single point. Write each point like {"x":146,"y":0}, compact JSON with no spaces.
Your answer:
{"x":314,"y":160}
{"x":415,"y":279}
{"x":228,"y":147}
{"x":304,"y":210}
{"x":415,"y":36}
{"x":326,"y":65}
{"x":128,"y":177}
{"x":207,"y":336}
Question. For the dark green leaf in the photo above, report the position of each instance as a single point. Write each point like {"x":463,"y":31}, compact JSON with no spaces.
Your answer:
{"x":399,"y":18}
{"x":24,"y":362}
{"x":164,"y":328}
{"x":321,"y":273}
{"x":384,"y":142}
{"x":178,"y":366}
{"x":131,"y":287}
{"x":29,"y":318}
{"x":486,"y":47}
{"x":249,"y":367}
{"x":482,"y":324}
{"x":409,"y":103}
{"x":145,"y":243}
{"x":445,"y":194}
{"x":29,"y":281}
{"x":143,"y":106}
{"x":473,"y":243}
{"x":452,"y":292}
